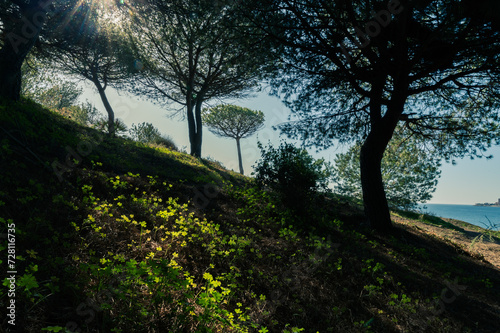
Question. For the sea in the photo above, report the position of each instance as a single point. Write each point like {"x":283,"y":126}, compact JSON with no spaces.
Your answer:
{"x":483,"y":216}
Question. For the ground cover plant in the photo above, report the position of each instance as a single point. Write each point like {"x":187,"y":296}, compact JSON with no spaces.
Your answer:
{"x":113,"y":236}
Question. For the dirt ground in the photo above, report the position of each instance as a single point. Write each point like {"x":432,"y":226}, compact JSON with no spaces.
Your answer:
{"x":478,"y":241}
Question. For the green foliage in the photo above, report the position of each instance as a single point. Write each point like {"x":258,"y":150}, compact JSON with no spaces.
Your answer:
{"x":84,"y":114}
{"x":42,"y":86}
{"x":196,"y":51}
{"x":147,"y":133}
{"x":56,"y":97}
{"x":334,"y":90}
{"x":92,"y":47}
{"x":233,"y":121}
{"x":127,"y":251}
{"x":222,"y":63}
{"x":55,"y":329}
{"x":409,"y":173}
{"x":343,"y":77}
{"x":27,"y":282}
{"x":293,"y":174}
{"x":102,"y":124}
{"x":22,"y":26}
{"x":144,"y":132}
{"x":151,"y":284}
{"x":491,"y":232}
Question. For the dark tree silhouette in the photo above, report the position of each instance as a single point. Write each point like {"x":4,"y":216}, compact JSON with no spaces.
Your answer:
{"x":233,"y":122}
{"x":92,"y":48}
{"x":354,"y":70}
{"x":409,"y":171}
{"x":24,"y":23}
{"x":196,"y":51}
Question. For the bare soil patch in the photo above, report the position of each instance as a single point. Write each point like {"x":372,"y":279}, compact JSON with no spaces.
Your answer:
{"x":479,"y":242}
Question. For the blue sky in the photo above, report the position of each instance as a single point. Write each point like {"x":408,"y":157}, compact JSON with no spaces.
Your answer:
{"x":467,"y":182}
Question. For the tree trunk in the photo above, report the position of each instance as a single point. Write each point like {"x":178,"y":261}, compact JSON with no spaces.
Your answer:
{"x":195,"y":126}
{"x":191,"y":127}
{"x":374,"y":198}
{"x":18,"y":40}
{"x":372,"y":152}
{"x":10,"y":78}
{"x":239,"y":155}
{"x":107,"y":106}
{"x":199,"y":126}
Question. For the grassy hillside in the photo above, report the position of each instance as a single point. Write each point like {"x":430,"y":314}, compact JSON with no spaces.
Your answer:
{"x":113,"y":236}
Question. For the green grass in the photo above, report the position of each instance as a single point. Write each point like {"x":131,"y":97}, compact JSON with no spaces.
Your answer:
{"x":429,"y":219}
{"x":139,"y":239}
{"x":486,"y":232}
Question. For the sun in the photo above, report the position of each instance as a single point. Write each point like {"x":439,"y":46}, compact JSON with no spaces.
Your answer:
{"x":109,"y":10}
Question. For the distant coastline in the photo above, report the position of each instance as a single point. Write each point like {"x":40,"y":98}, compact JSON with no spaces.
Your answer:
{"x":496,"y":204}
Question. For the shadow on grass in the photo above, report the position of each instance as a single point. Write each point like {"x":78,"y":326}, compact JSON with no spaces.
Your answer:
{"x":463,"y":289}
{"x":430,"y":219}
{"x":329,"y":294}
{"x":469,"y":230}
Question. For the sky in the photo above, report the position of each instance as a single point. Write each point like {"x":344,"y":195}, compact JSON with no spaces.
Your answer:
{"x":468,"y":182}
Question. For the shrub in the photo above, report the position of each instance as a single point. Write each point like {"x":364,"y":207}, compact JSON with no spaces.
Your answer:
{"x":294,"y":174}
{"x":166,"y":142}
{"x":144,"y":132}
{"x":85,"y":114}
{"x":148,"y":134}
{"x":102,"y":125}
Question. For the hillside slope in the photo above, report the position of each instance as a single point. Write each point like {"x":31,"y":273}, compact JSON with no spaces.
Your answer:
{"x":113,"y":236}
